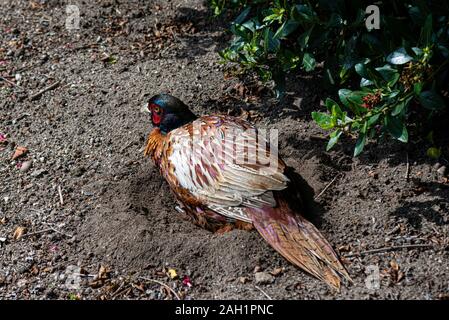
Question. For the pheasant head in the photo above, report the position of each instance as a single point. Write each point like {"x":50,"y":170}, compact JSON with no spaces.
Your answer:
{"x":168,"y":112}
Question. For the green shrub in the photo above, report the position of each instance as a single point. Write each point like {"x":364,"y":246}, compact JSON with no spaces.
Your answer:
{"x":382,"y":74}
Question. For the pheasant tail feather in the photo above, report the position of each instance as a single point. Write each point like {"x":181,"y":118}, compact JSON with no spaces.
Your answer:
{"x":300,"y":242}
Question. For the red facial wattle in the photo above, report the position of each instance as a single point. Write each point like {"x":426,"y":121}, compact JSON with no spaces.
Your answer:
{"x":156,"y":118}
{"x":156,"y":115}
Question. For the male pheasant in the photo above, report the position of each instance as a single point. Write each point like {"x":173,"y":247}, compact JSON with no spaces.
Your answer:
{"x":221,"y":180}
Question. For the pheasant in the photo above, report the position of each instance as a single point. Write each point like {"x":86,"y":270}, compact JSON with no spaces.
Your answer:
{"x":222,"y":180}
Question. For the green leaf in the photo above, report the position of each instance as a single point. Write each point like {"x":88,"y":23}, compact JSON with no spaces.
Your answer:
{"x":365,"y":82}
{"x":431,"y":100}
{"x":250,"y":25}
{"x":426,"y":32}
{"x":373,"y":119}
{"x":350,"y":57}
{"x":353,"y":100}
{"x":434,"y":153}
{"x":343,"y":95}
{"x":360,"y":144}
{"x":401,"y":106}
{"x":271,"y":44}
{"x":334,"y":136}
{"x":396,"y":128}
{"x":443,"y":50}
{"x":398,"y":108}
{"x":389,"y":74}
{"x":399,"y":56}
{"x":303,"y":13}
{"x":279,"y":80}
{"x":324,"y":120}
{"x":417,"y":88}
{"x":241,"y":17}
{"x":308,"y":62}
{"x":330,"y":104}
{"x":286,"y":28}
{"x":417,"y":51}
{"x":303,"y":39}
{"x":416,"y":15}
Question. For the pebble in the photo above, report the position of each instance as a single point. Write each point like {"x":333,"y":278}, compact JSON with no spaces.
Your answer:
{"x":26,"y":165}
{"x":243,"y":280}
{"x":257,"y":269}
{"x":442,"y":170}
{"x":263,"y":278}
{"x":38,"y":173}
{"x":78,"y":171}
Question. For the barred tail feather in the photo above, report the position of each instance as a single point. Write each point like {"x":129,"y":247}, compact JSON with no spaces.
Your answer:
{"x":299,"y":241}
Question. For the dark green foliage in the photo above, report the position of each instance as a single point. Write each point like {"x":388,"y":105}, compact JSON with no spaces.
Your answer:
{"x":402,"y":64}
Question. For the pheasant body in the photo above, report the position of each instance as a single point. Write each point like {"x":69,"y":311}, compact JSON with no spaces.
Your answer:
{"x":221,"y":179}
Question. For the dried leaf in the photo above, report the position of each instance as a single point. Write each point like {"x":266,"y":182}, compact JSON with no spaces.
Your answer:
{"x":103,"y":273}
{"x":344,"y":248}
{"x":139,"y":287}
{"x":277,"y":271}
{"x":47,"y":269}
{"x":395,"y":274}
{"x":394,"y":265}
{"x":373,"y":174}
{"x":34,"y":270}
{"x":243,"y":280}
{"x":18,"y":233}
{"x":20,"y":151}
{"x":172,"y":273}
{"x":3,"y":220}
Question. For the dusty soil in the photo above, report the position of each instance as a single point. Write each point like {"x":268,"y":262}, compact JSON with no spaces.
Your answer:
{"x":91,"y":201}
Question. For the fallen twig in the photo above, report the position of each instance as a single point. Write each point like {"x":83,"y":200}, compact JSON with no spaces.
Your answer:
{"x":120,"y":289}
{"x":12,"y":83}
{"x":264,"y":293}
{"x":392,"y":248}
{"x":61,"y":200}
{"x":46,"y":230}
{"x":326,"y":187}
{"x":162,"y":284}
{"x":37,"y":232}
{"x":407,"y":168}
{"x":60,"y":232}
{"x":50,"y":87}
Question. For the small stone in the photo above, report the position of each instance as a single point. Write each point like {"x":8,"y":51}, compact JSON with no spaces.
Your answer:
{"x":26,"y":165}
{"x":243,"y":280}
{"x":277,"y":271}
{"x":442,"y":170}
{"x":263,"y":278}
{"x":79,"y":171}
{"x":38,"y":173}
{"x":257,"y":269}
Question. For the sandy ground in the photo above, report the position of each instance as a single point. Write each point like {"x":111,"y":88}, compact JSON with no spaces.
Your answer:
{"x":98,"y":221}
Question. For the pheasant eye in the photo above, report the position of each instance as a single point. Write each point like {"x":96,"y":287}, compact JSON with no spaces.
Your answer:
{"x":154,"y":108}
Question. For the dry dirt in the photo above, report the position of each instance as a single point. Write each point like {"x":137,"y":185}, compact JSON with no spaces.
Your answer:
{"x":116,"y":223}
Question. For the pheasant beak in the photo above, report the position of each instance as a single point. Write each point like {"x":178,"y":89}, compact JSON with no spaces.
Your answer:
{"x":144,"y":108}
